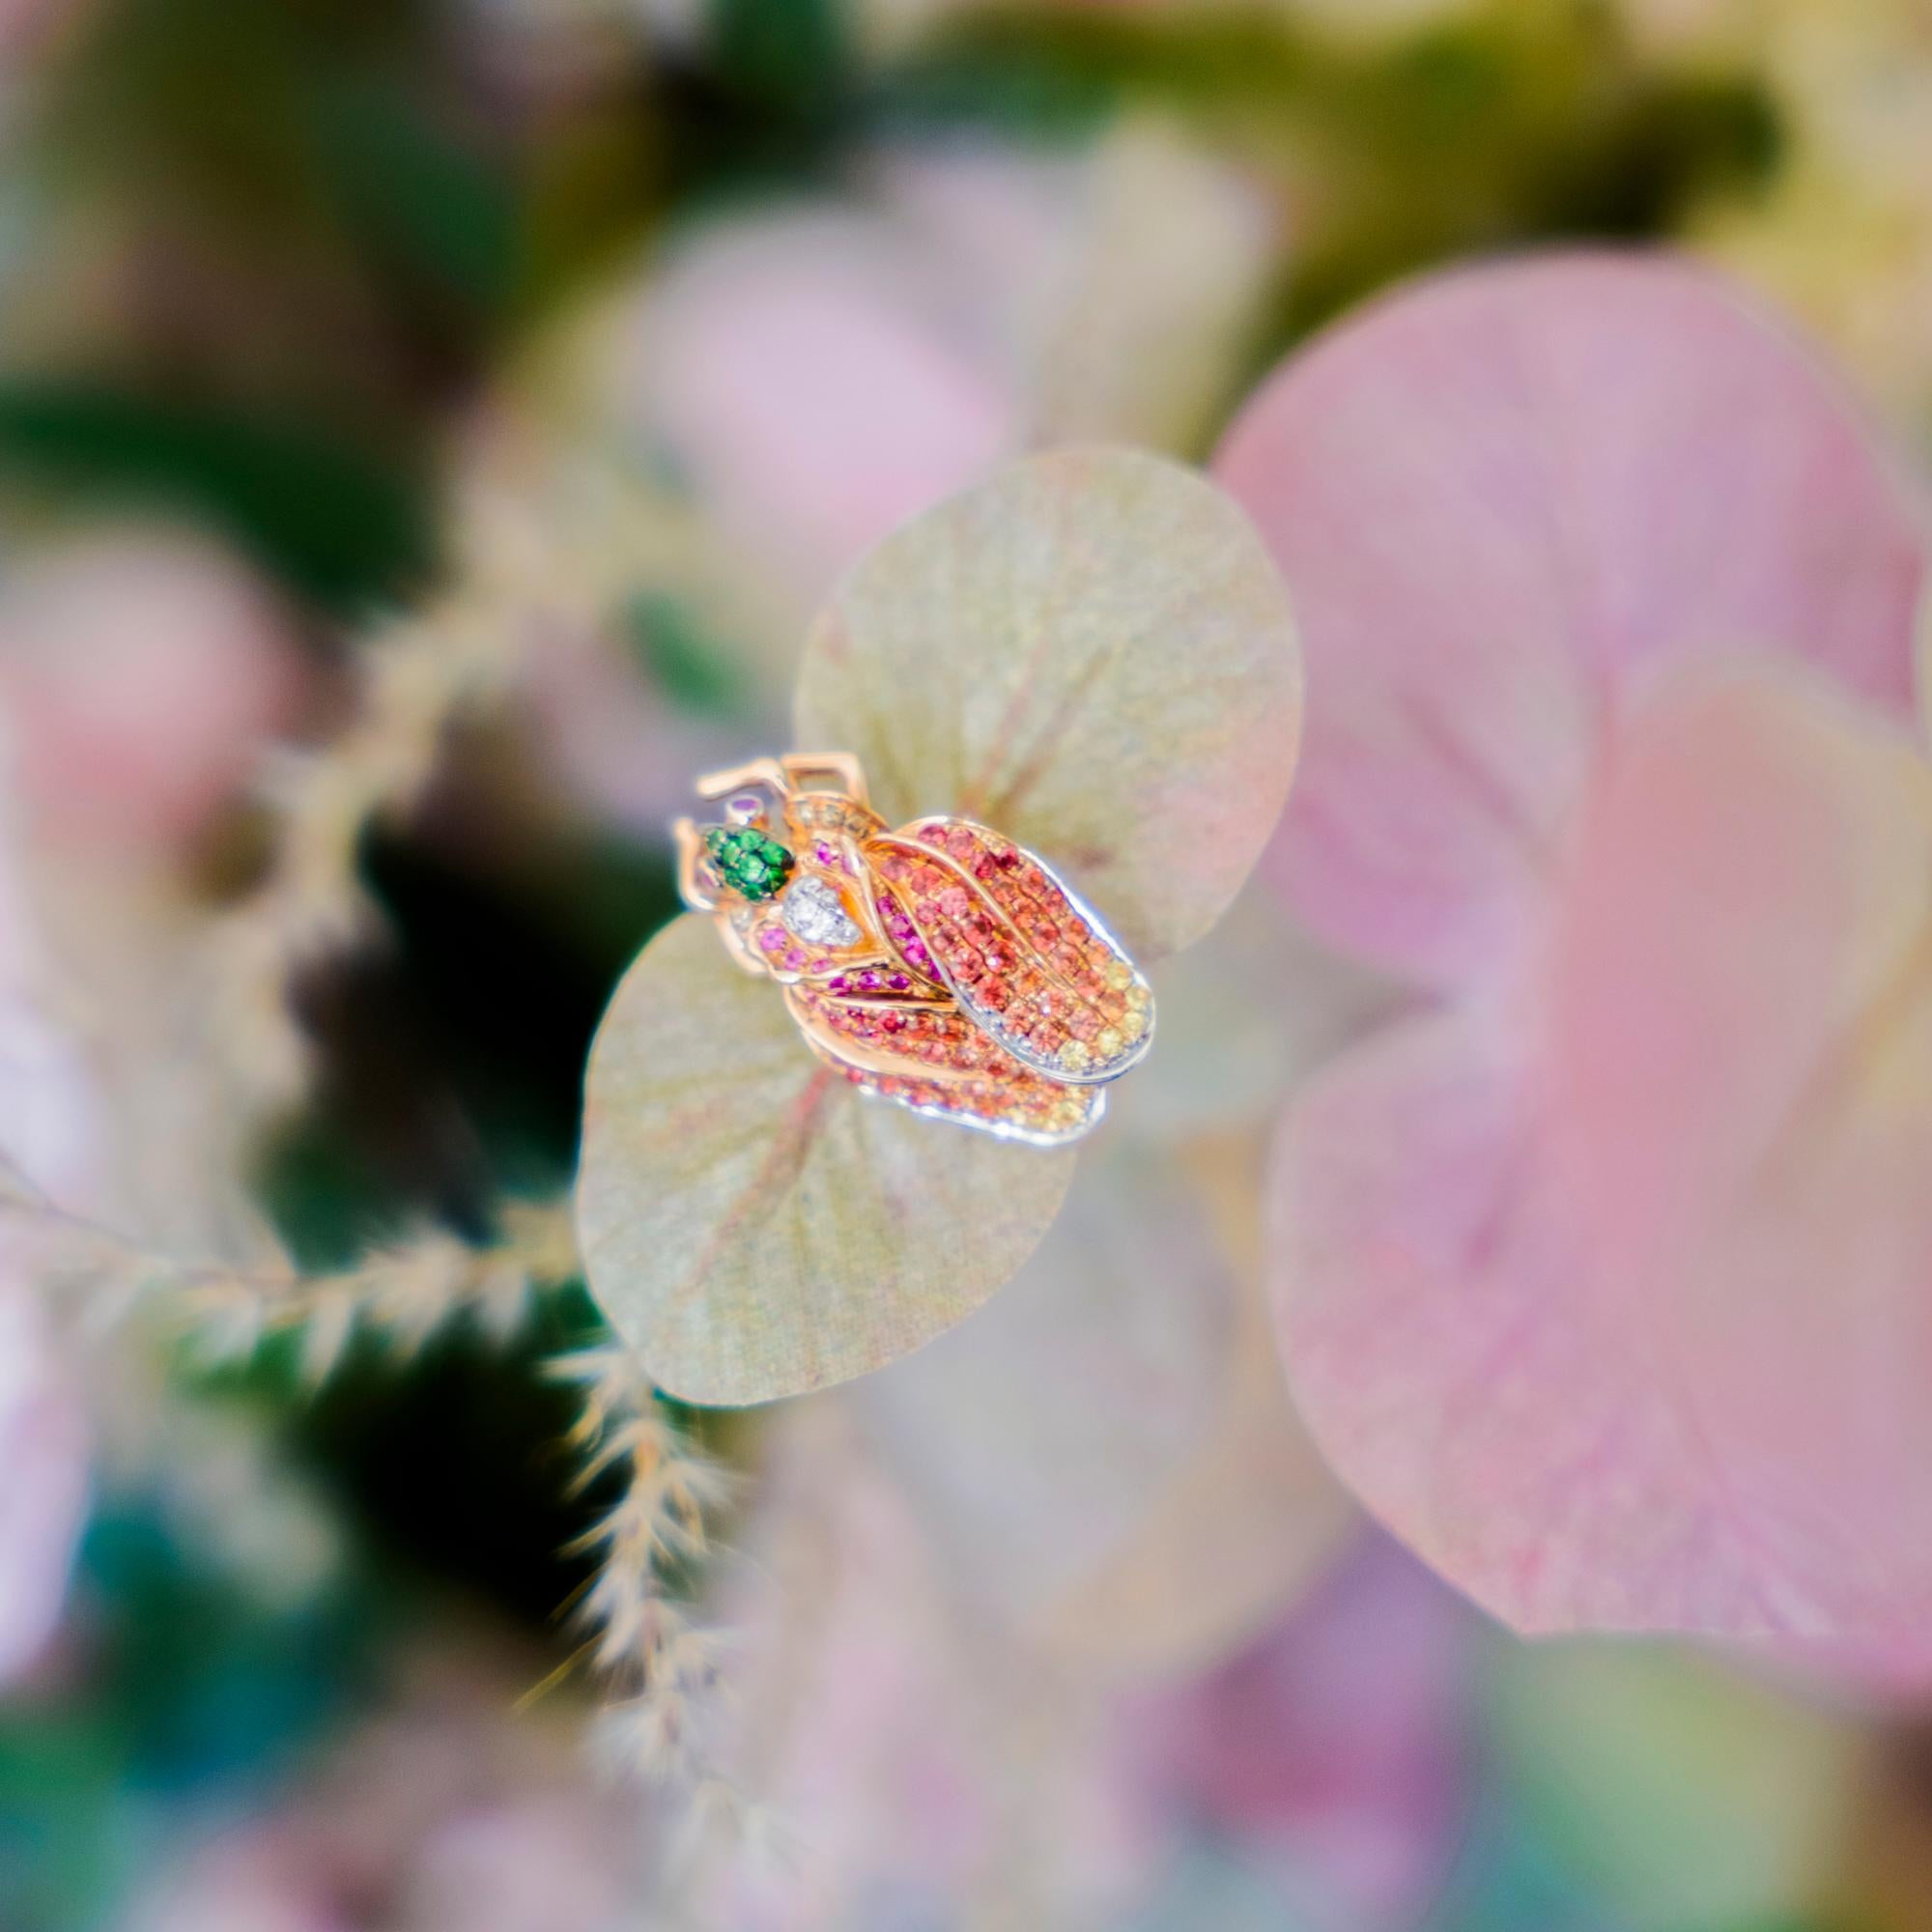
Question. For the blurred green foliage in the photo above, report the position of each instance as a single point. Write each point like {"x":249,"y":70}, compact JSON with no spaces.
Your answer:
{"x":333,"y":521}
{"x":1512,"y":124}
{"x":194,"y":1690}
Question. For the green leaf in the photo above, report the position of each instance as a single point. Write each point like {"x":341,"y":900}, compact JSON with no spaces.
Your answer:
{"x":753,"y":1226}
{"x":1092,"y":654}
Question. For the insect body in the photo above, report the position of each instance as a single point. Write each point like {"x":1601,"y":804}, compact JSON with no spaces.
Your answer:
{"x":939,"y":965}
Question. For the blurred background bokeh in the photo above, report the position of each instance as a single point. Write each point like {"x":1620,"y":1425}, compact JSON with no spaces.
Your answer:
{"x":426,"y":427}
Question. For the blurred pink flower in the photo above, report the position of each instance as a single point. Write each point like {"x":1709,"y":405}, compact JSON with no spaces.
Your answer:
{"x":1546,"y":1294}
{"x":47,"y":1133}
{"x":539,"y":1862}
{"x":1336,"y":1750}
{"x":824,"y":374}
{"x":47,"y":1127}
{"x":43,"y":1482}
{"x":442,"y":1814}
{"x":140,"y":673}
{"x":532,"y":1863}
{"x":901,"y":1758}
{"x":796,"y":367}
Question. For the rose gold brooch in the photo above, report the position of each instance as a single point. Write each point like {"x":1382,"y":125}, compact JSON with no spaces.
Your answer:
{"x":940,"y":966}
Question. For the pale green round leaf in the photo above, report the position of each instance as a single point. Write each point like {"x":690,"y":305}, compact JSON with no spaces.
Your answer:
{"x":752,"y":1225}
{"x":1092,"y":654}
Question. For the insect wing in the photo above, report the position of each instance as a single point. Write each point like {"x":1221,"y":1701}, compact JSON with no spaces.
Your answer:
{"x":933,"y":1057}
{"x":1026,"y":960}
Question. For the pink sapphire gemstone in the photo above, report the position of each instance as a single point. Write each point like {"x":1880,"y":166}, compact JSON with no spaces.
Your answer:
{"x":899,"y":983}
{"x":824,"y":854}
{"x":955,"y":902}
{"x":841,"y":984}
{"x":772,"y":938}
{"x":794,"y":958}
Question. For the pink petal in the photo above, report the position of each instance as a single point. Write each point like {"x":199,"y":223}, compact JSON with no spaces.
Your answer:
{"x":1502,"y":499}
{"x":1621,"y":1316}
{"x":1742,"y":1076}
{"x":1457,"y":1355}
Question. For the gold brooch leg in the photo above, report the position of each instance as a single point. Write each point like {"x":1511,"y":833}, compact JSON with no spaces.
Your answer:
{"x":767,"y":772}
{"x":801,"y":768}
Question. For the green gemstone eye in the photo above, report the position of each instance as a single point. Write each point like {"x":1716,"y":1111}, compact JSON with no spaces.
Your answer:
{"x":753,"y":866}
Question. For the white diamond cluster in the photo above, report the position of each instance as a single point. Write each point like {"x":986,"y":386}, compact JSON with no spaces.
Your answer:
{"x":814,"y":912}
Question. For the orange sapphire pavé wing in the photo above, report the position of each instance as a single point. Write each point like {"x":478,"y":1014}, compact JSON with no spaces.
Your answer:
{"x":939,"y":966}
